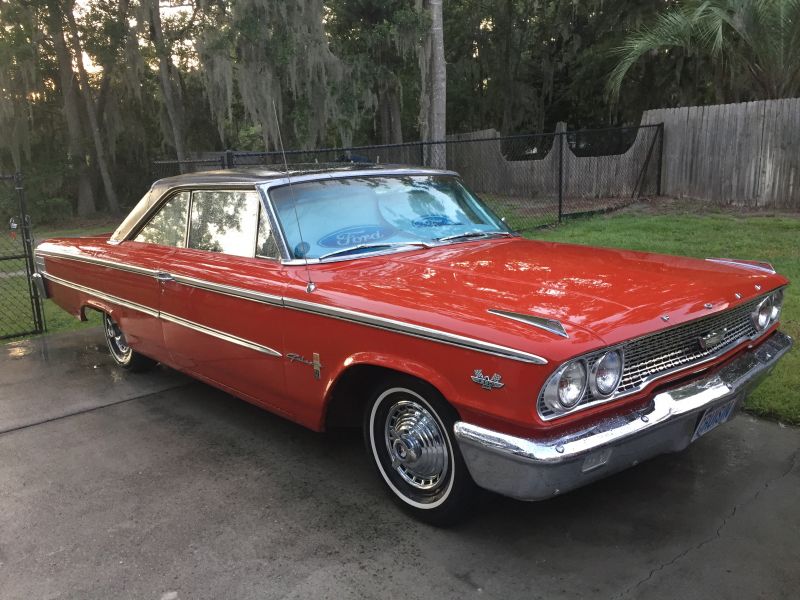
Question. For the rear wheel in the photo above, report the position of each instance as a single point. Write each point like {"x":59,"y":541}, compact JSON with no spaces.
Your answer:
{"x":408,"y":431}
{"x":125,"y":356}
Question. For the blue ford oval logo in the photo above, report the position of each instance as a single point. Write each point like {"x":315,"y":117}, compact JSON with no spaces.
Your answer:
{"x":352,"y":236}
{"x":433,"y":221}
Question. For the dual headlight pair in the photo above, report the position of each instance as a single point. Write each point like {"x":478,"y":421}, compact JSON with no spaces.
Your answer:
{"x":601,"y":374}
{"x":768,"y":311}
{"x":568,"y":385}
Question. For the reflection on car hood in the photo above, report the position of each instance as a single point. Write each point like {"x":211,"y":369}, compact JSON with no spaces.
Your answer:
{"x":599,"y":295}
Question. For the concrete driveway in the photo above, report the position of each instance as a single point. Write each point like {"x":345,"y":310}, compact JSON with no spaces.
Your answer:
{"x":115,"y":485}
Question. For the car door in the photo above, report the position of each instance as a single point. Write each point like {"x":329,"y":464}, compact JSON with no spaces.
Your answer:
{"x":135,"y":277}
{"x":222,"y":296}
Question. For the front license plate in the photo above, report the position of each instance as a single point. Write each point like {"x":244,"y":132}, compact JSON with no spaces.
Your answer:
{"x":714,"y":417}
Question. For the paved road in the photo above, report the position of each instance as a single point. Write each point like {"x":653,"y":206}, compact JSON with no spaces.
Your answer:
{"x":152,"y":486}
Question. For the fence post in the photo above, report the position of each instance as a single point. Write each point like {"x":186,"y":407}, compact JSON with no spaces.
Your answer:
{"x":560,"y":176}
{"x":660,"y":157}
{"x":230,"y":159}
{"x":27,"y":244}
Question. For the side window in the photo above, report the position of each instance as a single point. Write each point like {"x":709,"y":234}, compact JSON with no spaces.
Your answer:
{"x":224,"y":221}
{"x":168,"y":226}
{"x":266,"y":246}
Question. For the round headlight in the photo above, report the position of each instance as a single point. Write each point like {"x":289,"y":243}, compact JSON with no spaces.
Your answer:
{"x":572,"y":384}
{"x":606,"y":373}
{"x":762,"y":315}
{"x":777,"y":304}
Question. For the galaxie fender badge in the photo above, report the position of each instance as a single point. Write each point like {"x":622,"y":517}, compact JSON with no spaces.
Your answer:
{"x":712,"y":338}
{"x":486,"y":382}
{"x":315,"y":362}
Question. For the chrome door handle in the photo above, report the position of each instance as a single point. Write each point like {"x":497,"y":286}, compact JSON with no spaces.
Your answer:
{"x":164,"y":277}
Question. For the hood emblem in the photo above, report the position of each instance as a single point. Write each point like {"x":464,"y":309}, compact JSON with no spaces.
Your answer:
{"x":708,"y":305}
{"x":712,"y":339}
{"x":550,"y":325}
{"x":486,"y":382}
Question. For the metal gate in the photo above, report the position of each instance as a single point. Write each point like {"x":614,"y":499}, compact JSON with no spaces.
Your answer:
{"x":20,"y":305}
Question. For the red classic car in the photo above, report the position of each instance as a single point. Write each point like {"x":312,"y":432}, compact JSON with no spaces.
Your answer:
{"x":394,"y":297}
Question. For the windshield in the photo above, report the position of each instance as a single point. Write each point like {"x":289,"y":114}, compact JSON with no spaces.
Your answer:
{"x":373,"y":213}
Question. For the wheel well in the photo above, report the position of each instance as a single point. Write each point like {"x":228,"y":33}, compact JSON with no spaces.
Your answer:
{"x":351,"y":391}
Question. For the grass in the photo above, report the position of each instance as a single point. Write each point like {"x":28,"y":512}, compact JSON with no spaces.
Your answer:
{"x":667,"y":229}
{"x":772,"y":238}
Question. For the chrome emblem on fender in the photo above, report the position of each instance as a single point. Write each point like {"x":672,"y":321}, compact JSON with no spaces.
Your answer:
{"x":712,"y":338}
{"x":315,"y":363}
{"x":486,"y":382}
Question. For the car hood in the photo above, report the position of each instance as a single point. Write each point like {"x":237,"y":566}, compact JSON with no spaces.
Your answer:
{"x":601,"y":296}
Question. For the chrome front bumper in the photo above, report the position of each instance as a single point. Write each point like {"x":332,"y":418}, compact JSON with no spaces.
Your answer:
{"x":538,"y":469}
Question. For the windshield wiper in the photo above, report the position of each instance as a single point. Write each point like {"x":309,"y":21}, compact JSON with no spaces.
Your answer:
{"x":372,"y":245}
{"x":473,"y":234}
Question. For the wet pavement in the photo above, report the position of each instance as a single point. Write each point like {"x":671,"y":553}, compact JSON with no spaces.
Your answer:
{"x":117,"y":485}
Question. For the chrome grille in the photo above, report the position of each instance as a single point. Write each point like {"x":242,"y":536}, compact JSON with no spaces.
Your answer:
{"x":672,"y":349}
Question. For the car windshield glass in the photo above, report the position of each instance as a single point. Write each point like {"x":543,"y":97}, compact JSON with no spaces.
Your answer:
{"x":356,"y":215}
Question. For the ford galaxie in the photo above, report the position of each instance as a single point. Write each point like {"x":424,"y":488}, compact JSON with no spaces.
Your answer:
{"x":395,"y":298}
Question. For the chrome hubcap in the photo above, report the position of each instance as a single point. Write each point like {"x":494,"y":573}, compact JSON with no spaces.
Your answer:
{"x":416,"y":445}
{"x":119,"y":344}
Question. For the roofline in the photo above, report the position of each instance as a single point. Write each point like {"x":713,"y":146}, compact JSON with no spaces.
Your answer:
{"x":256,"y":176}
{"x":162,"y":187}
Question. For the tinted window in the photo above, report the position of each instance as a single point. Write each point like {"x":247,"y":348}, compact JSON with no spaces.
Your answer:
{"x":224,"y":221}
{"x":266,"y":246}
{"x":168,"y":226}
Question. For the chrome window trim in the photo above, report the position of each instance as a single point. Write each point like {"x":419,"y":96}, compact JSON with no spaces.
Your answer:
{"x":551,"y":325}
{"x":418,"y":331}
{"x":183,"y":187}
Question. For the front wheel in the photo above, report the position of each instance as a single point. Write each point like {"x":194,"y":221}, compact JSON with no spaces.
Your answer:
{"x":408,"y":431}
{"x":125,"y":356}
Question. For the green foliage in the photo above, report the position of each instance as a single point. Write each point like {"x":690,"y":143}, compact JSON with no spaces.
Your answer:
{"x":343,"y":72}
{"x":753,"y":46}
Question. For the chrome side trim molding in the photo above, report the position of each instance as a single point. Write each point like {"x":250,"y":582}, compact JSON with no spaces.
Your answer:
{"x":227,"y":337}
{"x":410,"y":329}
{"x":98,"y":261}
{"x":166,"y":316}
{"x":229,"y":290}
{"x":550,"y":325}
{"x":418,"y":331}
{"x":762,"y":266}
{"x":103,"y":296}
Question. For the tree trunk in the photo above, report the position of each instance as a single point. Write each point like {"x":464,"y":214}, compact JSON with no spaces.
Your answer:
{"x":390,"y":115}
{"x":70,"y":93}
{"x":91,"y":113}
{"x":438,"y":71}
{"x":168,"y":92}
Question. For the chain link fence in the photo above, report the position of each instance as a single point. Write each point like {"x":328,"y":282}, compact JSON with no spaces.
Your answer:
{"x":531,"y":180}
{"x":20,"y":306}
